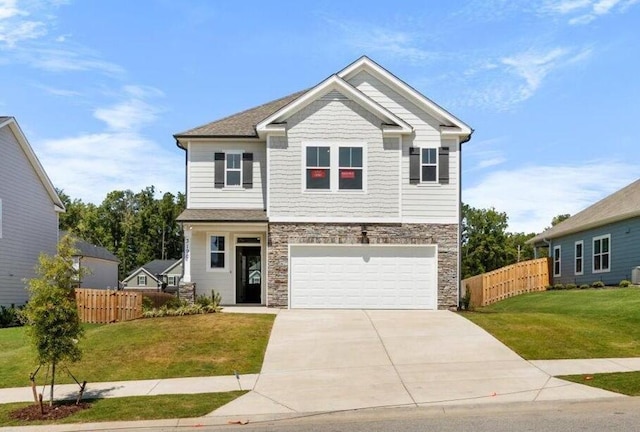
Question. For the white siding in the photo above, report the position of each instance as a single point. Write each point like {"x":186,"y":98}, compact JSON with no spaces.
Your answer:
{"x":200,"y":171}
{"x":424,"y":203}
{"x":29,"y":221}
{"x":103,"y":274}
{"x":333,"y":120}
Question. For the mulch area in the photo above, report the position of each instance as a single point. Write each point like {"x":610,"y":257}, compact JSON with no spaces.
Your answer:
{"x":58,"y":411}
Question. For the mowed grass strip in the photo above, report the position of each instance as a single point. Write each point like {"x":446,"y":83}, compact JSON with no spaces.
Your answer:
{"x":591,"y":323}
{"x":627,"y":383}
{"x":188,"y":346}
{"x":134,"y":408}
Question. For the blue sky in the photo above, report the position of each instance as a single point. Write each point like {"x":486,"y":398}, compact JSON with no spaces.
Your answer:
{"x":551,"y":87}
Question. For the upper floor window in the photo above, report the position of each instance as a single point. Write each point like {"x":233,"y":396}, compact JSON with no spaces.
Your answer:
{"x":217,"y":252}
{"x":350,"y":168}
{"x":579,"y":253}
{"x":172,"y":280}
{"x":601,"y":253}
{"x":556,"y":260}
{"x":142,"y":280}
{"x":429,"y":165}
{"x":318,"y":167}
{"x":233,"y":171}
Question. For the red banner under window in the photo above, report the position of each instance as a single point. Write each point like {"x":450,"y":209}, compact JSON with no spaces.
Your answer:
{"x":318,"y":174}
{"x":347,"y":174}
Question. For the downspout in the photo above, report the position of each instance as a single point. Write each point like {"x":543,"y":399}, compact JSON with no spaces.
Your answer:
{"x":460,"y":217}
{"x":548,"y":242}
{"x":186,"y":205}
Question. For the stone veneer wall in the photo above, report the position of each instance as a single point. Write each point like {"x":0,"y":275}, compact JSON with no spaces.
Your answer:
{"x":280,"y":235}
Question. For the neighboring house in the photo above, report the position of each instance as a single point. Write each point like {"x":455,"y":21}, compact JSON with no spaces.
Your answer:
{"x":153,"y":274}
{"x":346,"y":195}
{"x":29,"y":208}
{"x":99,"y":265}
{"x":601,"y":243}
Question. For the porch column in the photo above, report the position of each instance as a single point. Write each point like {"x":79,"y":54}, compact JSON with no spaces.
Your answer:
{"x":187,"y":254}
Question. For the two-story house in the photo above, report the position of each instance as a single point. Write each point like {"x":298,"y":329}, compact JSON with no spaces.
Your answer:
{"x":346,"y":195}
{"x":29,"y":208}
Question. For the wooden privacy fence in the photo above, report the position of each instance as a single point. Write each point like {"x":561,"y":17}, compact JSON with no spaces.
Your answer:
{"x":106,"y":306}
{"x":509,"y":281}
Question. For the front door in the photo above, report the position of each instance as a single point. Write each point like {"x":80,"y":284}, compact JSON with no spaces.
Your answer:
{"x":248,"y":274}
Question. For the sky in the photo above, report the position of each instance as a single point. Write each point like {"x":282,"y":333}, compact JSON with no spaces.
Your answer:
{"x":550,"y":87}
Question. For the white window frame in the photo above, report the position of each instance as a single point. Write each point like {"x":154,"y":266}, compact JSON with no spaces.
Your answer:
{"x":576,"y":258}
{"x":171,"y":280}
{"x":434,"y":181}
{"x":334,"y":167}
{"x":227,"y":169}
{"x":559,"y":260}
{"x":225,"y":252}
{"x":143,"y":278}
{"x":593,"y":254}
{"x":361,"y":168}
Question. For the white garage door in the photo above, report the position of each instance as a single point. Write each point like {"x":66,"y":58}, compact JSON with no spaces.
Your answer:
{"x":367,"y":277}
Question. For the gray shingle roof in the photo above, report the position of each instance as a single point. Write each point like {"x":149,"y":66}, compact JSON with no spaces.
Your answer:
{"x":621,"y":205}
{"x":4,"y":118}
{"x":87,"y":249}
{"x":223,"y":215}
{"x":159,"y":266}
{"x":242,"y":124}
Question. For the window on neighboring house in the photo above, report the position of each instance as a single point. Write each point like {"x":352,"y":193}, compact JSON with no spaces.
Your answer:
{"x":579,"y":253}
{"x":318,"y":167}
{"x":601,"y":253}
{"x":350,"y":168}
{"x":142,"y":280}
{"x":172,"y":280}
{"x":216,"y":252}
{"x":556,"y":261}
{"x":233,"y":172}
{"x":429,"y":165}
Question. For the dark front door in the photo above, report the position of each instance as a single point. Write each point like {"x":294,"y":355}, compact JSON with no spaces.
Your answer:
{"x":248,"y":274}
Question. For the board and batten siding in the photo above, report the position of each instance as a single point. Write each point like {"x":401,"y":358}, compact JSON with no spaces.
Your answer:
{"x":333,"y":120}
{"x":624,"y":253}
{"x":201,"y":191}
{"x":429,"y":203}
{"x":29,"y":220}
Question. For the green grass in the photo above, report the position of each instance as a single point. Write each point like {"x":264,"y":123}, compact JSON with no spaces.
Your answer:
{"x":196,"y":345}
{"x":621,"y":382}
{"x":591,"y":323}
{"x":134,"y":408}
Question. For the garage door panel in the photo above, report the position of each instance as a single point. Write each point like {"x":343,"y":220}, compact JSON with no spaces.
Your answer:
{"x":376,"y":277}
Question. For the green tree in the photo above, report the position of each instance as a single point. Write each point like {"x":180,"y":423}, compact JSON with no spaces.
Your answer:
{"x":517,"y":250}
{"x":559,"y":218}
{"x":484,"y":240}
{"x":51,"y":314}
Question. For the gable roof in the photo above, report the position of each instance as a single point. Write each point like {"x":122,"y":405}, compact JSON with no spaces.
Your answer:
{"x":89,"y":250}
{"x":621,"y":205}
{"x":12,"y":124}
{"x":152,"y":268}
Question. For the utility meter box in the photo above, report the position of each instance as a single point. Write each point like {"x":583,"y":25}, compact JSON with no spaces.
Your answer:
{"x":635,"y":275}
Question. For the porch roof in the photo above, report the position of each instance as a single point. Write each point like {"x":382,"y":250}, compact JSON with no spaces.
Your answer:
{"x":223,"y":215}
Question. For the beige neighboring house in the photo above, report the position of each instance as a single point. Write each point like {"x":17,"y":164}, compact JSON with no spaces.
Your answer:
{"x":29,"y":208}
{"x":345,"y":195}
{"x":98,"y":263}
{"x":152,"y":276}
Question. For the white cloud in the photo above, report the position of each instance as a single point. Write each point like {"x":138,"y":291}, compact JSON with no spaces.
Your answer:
{"x":70,"y":59}
{"x":586,"y":11}
{"x":533,"y":195}
{"x":483,"y":154}
{"x":9,"y":9}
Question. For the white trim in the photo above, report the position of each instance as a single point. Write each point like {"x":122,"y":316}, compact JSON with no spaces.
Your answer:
{"x":334,"y":82}
{"x":436,"y":164}
{"x":227,"y":263}
{"x":400,"y":179}
{"x":559,"y":261}
{"x":575,"y":258}
{"x":144,"y":279}
{"x":227,"y":170}
{"x":233,"y":271}
{"x":593,"y":253}
{"x":188,"y":168}
{"x":365,"y":63}
{"x":268,"y":174}
{"x":334,"y":166}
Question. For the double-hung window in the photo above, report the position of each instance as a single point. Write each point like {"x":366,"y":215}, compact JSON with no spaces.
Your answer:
{"x":350,"y":168}
{"x":233,"y":171}
{"x":429,"y":165}
{"x":318,"y":167}
{"x":601,"y":253}
{"x":217,"y":252}
{"x":556,"y":260}
{"x":579,"y":254}
{"x":142,"y":280}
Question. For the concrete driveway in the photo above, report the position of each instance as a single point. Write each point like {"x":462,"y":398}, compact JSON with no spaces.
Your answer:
{"x":329,"y":360}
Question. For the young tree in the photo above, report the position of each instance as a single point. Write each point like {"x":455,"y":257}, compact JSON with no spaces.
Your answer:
{"x":484,"y":240}
{"x":51,"y":314}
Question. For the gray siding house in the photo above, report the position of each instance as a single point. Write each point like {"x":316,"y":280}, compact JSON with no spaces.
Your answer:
{"x":345,"y":195}
{"x":153,"y":274}
{"x":98,"y":263}
{"x":29,"y":208}
{"x":601,"y":243}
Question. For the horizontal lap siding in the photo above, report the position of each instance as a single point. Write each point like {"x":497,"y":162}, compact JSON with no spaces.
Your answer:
{"x":624,"y":253}
{"x":430,"y":203}
{"x":333,"y":121}
{"x":201,"y":190}
{"x":29,"y":221}
{"x":103,"y":274}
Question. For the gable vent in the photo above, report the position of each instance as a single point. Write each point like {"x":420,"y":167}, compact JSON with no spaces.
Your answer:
{"x":334,"y":95}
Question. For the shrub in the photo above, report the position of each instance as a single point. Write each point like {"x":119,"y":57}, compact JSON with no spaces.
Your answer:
{"x":584,"y":286}
{"x":624,"y":283}
{"x":206,"y":301}
{"x":549,"y":288}
{"x":147,"y":303}
{"x":558,"y":286}
{"x":203,"y":305}
{"x":570,"y":286}
{"x":597,"y":284}
{"x":10,"y":316}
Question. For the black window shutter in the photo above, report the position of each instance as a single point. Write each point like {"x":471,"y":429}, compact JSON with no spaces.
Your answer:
{"x":443,"y":162}
{"x":414,"y":165}
{"x":247,"y":170}
{"x":218,"y":170}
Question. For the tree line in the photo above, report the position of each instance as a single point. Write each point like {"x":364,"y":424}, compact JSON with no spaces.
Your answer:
{"x":136,"y":227}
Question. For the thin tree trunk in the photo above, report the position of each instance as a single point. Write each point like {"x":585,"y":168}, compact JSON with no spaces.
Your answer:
{"x":53,"y":380}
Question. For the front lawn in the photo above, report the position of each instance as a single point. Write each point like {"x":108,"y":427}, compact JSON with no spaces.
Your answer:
{"x":590,"y":323}
{"x":620,"y":382}
{"x":133,"y":408}
{"x":187,"y":346}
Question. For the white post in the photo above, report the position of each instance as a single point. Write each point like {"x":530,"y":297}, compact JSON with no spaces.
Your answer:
{"x":187,"y":254}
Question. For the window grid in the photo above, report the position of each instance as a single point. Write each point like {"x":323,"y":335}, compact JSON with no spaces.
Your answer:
{"x":579,"y":258}
{"x":233,"y":169}
{"x":429,"y":165}
{"x":217,"y":252}
{"x":556,"y":260}
{"x":601,"y":253}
